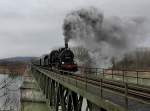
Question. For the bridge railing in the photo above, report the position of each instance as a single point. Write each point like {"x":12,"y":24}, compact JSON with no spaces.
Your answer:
{"x":139,"y":77}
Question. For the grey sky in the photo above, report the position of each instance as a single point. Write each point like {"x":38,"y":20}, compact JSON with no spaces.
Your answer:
{"x":33,"y":27}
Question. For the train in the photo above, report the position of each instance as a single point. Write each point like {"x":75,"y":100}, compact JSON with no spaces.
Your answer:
{"x":61,"y":59}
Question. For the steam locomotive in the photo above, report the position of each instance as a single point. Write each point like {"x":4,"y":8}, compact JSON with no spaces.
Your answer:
{"x":62,"y":59}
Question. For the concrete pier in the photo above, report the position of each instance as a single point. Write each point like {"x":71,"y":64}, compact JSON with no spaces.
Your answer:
{"x":32,"y":99}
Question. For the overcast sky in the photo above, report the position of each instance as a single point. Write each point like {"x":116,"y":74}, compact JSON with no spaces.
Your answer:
{"x":33,"y":27}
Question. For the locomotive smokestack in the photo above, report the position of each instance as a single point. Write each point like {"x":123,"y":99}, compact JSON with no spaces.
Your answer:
{"x":66,"y":45}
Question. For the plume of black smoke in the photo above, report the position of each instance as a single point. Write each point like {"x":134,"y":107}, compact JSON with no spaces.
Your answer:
{"x":103,"y":37}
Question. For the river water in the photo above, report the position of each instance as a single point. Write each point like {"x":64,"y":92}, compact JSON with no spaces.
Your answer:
{"x":10,"y":92}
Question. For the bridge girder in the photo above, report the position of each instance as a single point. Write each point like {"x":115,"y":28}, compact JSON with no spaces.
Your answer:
{"x":60,"y":98}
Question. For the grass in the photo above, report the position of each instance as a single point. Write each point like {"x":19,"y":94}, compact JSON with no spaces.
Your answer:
{"x":136,"y":77}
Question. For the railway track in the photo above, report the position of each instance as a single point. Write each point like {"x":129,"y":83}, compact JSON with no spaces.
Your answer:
{"x":137,"y":92}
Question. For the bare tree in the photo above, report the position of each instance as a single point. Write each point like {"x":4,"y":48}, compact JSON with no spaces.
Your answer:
{"x":82,"y":56}
{"x":113,"y":61}
{"x":9,"y":93}
{"x":137,"y":59}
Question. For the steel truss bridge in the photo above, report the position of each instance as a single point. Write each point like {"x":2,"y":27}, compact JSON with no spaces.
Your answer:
{"x":92,"y":90}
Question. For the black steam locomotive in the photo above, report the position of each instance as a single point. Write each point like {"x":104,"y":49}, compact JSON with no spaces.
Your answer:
{"x":62,"y":59}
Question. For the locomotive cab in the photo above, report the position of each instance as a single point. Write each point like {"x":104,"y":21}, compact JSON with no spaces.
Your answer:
{"x":44,"y":60}
{"x":53,"y":58}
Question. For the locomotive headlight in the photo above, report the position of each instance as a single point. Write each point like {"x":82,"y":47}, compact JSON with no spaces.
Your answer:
{"x":62,"y":62}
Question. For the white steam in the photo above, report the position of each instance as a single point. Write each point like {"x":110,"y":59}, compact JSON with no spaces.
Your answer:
{"x":103,"y":37}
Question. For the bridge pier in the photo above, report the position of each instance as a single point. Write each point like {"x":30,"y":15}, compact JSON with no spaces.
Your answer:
{"x":32,"y":98}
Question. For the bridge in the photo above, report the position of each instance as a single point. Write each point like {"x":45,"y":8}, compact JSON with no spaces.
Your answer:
{"x":93,"y":89}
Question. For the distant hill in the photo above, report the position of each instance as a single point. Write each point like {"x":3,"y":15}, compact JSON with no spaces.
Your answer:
{"x":17,"y":59}
{"x":16,"y":65}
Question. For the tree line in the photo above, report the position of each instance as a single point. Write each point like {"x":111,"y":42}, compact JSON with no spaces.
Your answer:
{"x":137,"y":59}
